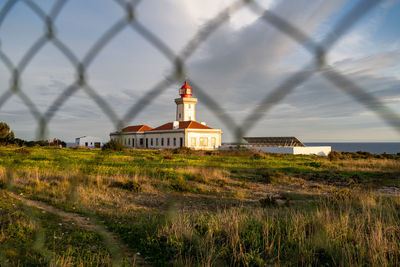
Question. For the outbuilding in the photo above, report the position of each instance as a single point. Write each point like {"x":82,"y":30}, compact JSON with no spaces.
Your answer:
{"x":285,"y":145}
{"x":89,"y":141}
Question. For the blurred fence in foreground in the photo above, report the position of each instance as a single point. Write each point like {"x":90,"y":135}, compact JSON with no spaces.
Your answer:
{"x":318,"y":50}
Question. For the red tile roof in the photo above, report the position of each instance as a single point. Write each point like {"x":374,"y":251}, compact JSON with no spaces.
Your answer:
{"x":137,"y":128}
{"x":182,"y":125}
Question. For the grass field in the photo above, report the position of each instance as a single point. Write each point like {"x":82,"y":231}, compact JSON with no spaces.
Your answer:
{"x":236,"y":208}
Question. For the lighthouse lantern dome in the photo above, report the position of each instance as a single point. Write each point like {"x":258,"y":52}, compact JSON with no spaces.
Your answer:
{"x":186,"y":90}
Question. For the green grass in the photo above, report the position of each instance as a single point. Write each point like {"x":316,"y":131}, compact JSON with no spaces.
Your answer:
{"x":31,"y":237}
{"x":237,"y":208}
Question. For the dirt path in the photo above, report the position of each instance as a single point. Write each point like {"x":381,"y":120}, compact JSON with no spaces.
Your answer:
{"x":118,"y":250}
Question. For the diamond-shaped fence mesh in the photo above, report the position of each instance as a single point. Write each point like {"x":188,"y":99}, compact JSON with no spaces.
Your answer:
{"x":318,"y":50}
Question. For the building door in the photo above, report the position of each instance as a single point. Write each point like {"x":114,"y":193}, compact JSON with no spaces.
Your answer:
{"x":147,"y":143}
{"x":97,"y":144}
{"x":181,"y":142}
{"x":133,"y":142}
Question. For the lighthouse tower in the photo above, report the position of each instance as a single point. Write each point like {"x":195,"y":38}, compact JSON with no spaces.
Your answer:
{"x":185,"y":105}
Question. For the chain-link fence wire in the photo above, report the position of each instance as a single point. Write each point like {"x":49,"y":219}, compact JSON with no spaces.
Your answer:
{"x":318,"y":51}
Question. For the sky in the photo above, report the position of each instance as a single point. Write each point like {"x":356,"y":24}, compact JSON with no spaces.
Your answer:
{"x":237,"y":66}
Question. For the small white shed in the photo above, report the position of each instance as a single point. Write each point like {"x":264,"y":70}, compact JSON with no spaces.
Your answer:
{"x":89,"y":141}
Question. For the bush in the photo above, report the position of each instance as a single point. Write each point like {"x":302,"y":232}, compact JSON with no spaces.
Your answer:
{"x":114,"y":146}
{"x":269,"y":201}
{"x":129,"y":185}
{"x":183,"y":151}
{"x":179,"y":184}
{"x":334,"y":155}
{"x":22,"y":150}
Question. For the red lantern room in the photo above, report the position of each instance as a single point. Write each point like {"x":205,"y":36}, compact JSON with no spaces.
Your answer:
{"x":186,"y":90}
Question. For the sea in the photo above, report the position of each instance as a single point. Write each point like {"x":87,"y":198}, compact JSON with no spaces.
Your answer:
{"x":374,"y":148}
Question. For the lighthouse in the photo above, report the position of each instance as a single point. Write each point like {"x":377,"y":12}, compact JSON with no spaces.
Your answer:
{"x":186,"y":104}
{"x":185,"y":131}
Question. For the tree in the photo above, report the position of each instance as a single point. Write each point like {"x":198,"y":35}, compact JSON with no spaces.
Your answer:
{"x":6,"y":136}
{"x":4,"y":130}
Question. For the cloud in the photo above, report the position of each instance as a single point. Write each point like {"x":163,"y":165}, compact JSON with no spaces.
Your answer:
{"x":238,"y":65}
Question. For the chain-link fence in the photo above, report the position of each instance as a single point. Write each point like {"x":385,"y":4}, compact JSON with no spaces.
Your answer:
{"x":318,"y":51}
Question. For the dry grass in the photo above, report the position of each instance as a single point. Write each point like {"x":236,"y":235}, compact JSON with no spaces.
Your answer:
{"x":208,"y":212}
{"x":383,"y":165}
{"x":333,"y":234}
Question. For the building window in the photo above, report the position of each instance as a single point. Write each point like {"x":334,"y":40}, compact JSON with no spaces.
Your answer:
{"x":167,"y":141}
{"x":86,"y":143}
{"x":181,"y":142}
{"x":151,"y":141}
{"x":179,"y":115}
{"x":162,"y":141}
{"x":141,"y":141}
{"x":193,"y":141}
{"x":203,"y":141}
{"x":156,"y":141}
{"x":133,"y":142}
{"x":129,"y":141}
{"x":213,"y":141}
{"x":174,"y":141}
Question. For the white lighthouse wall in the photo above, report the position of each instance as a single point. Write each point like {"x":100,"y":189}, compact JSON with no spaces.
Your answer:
{"x":165,"y":136}
{"x":186,"y":112}
{"x":189,"y":112}
{"x":138,"y":140}
{"x":206,"y":137}
{"x":129,"y":139}
{"x":179,"y":112}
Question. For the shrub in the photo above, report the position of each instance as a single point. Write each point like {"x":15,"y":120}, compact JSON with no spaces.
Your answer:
{"x":129,"y":185}
{"x":334,"y":155}
{"x":22,"y":151}
{"x":259,"y":155}
{"x":113,"y":145}
{"x":269,"y":176}
{"x":182,"y":150}
{"x":179,"y":184}
{"x":269,"y":201}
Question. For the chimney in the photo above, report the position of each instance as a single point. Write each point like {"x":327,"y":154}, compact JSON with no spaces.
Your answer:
{"x":203,"y":122}
{"x":175,"y":125}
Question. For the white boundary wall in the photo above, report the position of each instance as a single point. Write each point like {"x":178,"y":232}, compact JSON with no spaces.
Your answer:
{"x":298,"y":150}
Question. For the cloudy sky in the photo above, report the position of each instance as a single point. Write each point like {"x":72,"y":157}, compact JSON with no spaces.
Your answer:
{"x":237,"y":66}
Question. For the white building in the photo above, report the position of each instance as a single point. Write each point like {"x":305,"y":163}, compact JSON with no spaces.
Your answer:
{"x":185,"y":131}
{"x":285,"y":145}
{"x":89,"y":141}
